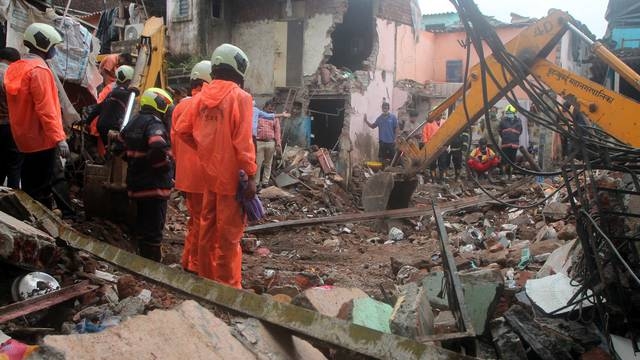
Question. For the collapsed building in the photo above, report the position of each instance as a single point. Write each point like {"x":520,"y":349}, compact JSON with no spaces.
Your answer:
{"x":339,"y":60}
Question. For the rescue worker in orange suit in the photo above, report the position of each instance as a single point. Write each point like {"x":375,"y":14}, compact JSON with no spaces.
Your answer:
{"x":34,"y":112}
{"x":109,"y":113}
{"x":218,"y":124}
{"x":189,"y":172}
{"x":10,"y":157}
{"x":150,"y":169}
{"x":428,"y":131}
{"x":109,"y":65}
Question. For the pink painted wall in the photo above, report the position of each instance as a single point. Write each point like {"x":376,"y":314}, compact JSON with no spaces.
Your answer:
{"x":447,"y":48}
{"x":414,"y":59}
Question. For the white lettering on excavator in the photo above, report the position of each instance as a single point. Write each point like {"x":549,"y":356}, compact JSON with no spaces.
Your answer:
{"x":600,"y":93}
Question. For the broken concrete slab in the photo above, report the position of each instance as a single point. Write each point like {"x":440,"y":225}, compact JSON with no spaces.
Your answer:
{"x":472,"y":218}
{"x":24,"y":245}
{"x":412,"y":314}
{"x":547,"y":232}
{"x":556,"y":211}
{"x":284,"y":180}
{"x":189,"y":331}
{"x":367,"y":312}
{"x":482,"y":291}
{"x":559,"y":261}
{"x":568,"y":232}
{"x":327,"y":300}
{"x":269,"y":342}
{"x":274,"y":192}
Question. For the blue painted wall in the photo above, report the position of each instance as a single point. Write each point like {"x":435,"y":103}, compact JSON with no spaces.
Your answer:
{"x":630,"y":36}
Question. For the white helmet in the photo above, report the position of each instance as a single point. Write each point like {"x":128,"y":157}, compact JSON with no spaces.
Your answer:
{"x":124,"y":73}
{"x":202,"y":71}
{"x":233,"y":56}
{"x":41,"y":36}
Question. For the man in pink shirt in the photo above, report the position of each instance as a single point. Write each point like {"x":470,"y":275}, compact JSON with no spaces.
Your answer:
{"x":268,"y":142}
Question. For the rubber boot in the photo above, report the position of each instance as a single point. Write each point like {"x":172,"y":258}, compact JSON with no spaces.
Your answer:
{"x":151,"y":251}
{"x":456,"y":174}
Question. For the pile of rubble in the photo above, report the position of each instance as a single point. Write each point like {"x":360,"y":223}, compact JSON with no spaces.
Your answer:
{"x":471,"y":271}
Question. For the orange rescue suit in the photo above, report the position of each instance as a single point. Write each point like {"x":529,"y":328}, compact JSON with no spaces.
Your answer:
{"x":34,"y":109}
{"x":93,"y":128}
{"x":218,"y":124}
{"x":429,"y":130}
{"x":189,"y":179}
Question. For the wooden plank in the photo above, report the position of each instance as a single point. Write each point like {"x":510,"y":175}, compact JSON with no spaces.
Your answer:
{"x":21,"y":308}
{"x":366,"y":216}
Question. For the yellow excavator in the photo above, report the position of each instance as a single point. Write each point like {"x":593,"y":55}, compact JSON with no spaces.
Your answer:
{"x":603,"y":107}
{"x":607,"y":228}
{"x":104,"y":191}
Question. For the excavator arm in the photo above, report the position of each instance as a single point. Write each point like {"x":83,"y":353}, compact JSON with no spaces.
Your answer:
{"x":613,"y":112}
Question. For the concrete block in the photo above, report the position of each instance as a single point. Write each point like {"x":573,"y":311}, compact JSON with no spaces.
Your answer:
{"x":482,"y":291}
{"x":189,"y":331}
{"x":412,"y":315}
{"x":23,"y":245}
{"x":367,"y":312}
{"x":270,"y":342}
{"x":327,"y":300}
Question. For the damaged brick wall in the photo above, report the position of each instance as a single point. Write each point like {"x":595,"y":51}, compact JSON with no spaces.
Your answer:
{"x":395,"y":10}
{"x":258,"y":10}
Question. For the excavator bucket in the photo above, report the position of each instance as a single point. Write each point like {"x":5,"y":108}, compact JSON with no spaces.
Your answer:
{"x":386,"y":191}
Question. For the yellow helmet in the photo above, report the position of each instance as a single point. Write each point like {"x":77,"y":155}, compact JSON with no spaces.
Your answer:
{"x":232,"y":56}
{"x":124,"y":73}
{"x":202,"y":71}
{"x":510,"y":109}
{"x":156,"y":98}
{"x":41,"y":36}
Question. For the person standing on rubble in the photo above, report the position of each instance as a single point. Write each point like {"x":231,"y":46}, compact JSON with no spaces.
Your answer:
{"x":411,"y":125}
{"x":268,"y":142}
{"x":150,"y":168}
{"x":510,"y":130}
{"x":459,"y":146}
{"x":296,"y":130}
{"x":428,"y":131}
{"x":108,"y":66}
{"x":34,"y":112}
{"x":217,"y":124}
{"x":259,"y":114}
{"x":387,"y":125}
{"x":10,"y":157}
{"x":109,"y":113}
{"x":189,"y":171}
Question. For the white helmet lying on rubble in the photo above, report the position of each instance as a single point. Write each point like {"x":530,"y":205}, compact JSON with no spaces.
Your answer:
{"x":124,"y":73}
{"x":41,"y":37}
{"x":202,"y":71}
{"x":232,"y":56}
